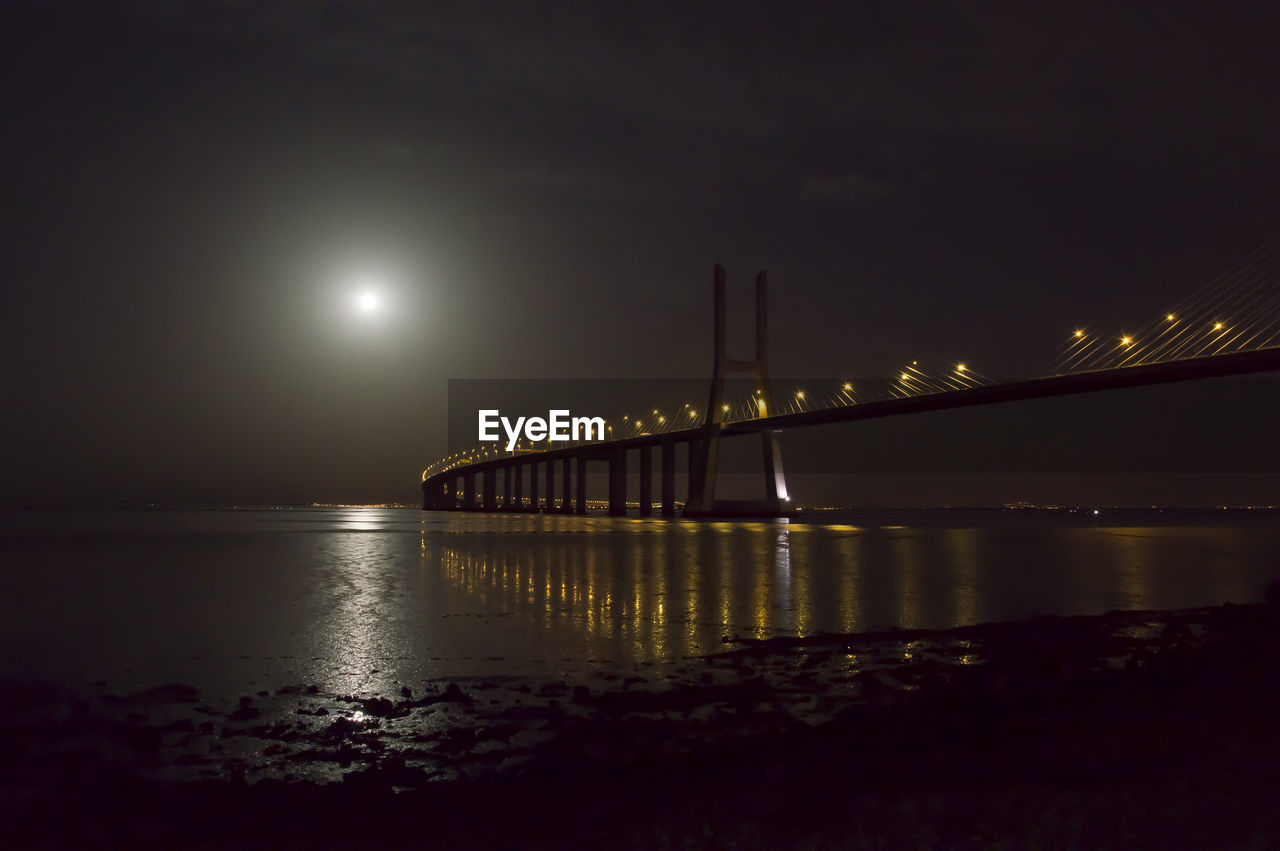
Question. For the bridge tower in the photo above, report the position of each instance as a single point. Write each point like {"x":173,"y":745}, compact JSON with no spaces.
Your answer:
{"x":704,"y":455}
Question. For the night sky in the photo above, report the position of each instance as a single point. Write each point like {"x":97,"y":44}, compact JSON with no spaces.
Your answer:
{"x":196,"y":191}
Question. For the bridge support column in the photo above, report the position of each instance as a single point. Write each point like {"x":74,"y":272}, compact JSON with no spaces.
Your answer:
{"x":551,"y":486}
{"x":566,"y":485}
{"x":489,"y":479}
{"x":533,"y":486}
{"x":668,"y":479}
{"x":506,"y":488}
{"x":517,"y":473}
{"x":468,"y":491}
{"x":618,"y":482}
{"x":581,"y":494}
{"x":646,"y":481}
{"x":775,"y":483}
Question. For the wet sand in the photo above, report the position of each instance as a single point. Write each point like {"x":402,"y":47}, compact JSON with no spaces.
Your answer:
{"x":1131,"y":729}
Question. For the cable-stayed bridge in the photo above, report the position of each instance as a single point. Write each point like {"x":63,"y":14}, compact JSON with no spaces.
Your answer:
{"x":1230,"y":327}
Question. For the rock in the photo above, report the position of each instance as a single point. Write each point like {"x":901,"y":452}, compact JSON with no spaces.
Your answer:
{"x":379,"y":706}
{"x":245,"y":712}
{"x":406,"y":692}
{"x":245,"y":700}
{"x":454,"y":694}
{"x":581,"y":694}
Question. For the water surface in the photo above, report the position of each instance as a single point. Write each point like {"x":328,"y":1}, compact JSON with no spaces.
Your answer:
{"x":363,"y":599}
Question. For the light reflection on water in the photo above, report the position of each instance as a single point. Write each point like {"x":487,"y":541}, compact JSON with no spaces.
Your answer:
{"x":356,"y":629}
{"x":652,"y":592}
{"x":362,"y":599}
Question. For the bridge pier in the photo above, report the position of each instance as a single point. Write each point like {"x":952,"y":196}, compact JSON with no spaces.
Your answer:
{"x":506,"y":488}
{"x":489,"y":480}
{"x":550,"y":503}
{"x":704,"y":457}
{"x":581,"y":507}
{"x":646,"y":481}
{"x":533,"y":487}
{"x":468,"y":491}
{"x":566,"y":485}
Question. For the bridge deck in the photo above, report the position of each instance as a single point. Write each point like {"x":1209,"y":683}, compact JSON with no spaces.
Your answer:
{"x":1213,"y":366}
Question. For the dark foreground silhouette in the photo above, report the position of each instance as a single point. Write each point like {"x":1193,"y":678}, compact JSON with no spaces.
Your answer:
{"x":1125,"y":730}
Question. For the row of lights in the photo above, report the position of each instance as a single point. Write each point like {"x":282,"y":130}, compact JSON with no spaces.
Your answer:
{"x":465,"y":457}
{"x":660,"y":419}
{"x":1126,"y":340}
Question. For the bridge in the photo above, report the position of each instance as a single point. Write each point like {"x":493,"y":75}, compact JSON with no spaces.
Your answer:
{"x":1192,"y":343}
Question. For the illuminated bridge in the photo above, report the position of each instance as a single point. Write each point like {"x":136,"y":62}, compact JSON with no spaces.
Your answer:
{"x":1197,"y":340}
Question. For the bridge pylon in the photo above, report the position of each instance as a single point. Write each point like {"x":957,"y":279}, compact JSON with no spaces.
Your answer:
{"x":704,"y":455}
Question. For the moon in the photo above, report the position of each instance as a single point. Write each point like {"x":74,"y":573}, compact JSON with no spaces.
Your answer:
{"x":367,"y":301}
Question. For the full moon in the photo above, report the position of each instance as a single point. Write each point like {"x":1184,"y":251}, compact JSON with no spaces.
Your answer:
{"x":367,"y":301}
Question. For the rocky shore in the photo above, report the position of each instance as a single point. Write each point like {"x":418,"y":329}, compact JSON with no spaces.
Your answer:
{"x":1130,"y":729}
